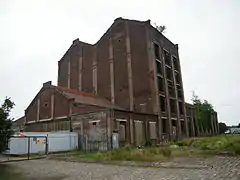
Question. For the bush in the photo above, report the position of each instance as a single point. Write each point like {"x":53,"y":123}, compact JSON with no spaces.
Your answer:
{"x":166,"y":152}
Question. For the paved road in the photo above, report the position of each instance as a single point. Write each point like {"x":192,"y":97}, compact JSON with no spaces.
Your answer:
{"x":220,"y":168}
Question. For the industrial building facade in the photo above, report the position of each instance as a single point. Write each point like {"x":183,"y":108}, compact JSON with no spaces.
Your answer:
{"x":133,"y":67}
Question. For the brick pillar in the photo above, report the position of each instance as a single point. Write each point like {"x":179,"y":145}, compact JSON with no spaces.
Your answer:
{"x":179,"y":130}
{"x":69,"y":74}
{"x":80,"y":62}
{"x":111,"y":61}
{"x":95,"y":71}
{"x":153,"y":80}
{"x":38,"y":109}
{"x":167,"y":97}
{"x":129,"y":66}
{"x":52,"y":106}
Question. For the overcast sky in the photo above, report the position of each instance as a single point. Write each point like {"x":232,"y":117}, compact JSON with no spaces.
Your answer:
{"x":35,"y":34}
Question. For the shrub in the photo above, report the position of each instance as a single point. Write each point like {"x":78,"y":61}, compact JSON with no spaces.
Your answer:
{"x":166,"y":152}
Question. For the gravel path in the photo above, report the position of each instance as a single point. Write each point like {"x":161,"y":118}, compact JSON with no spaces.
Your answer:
{"x":220,"y":168}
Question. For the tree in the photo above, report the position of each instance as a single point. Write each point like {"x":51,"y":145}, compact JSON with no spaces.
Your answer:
{"x":5,"y":124}
{"x":203,"y":113}
{"x":239,"y":125}
{"x":161,"y":29}
{"x":222,"y":127}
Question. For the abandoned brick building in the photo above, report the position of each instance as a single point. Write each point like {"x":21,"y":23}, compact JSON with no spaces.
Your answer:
{"x":129,"y":82}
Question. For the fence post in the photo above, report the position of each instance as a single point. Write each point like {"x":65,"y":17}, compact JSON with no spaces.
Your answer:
{"x":46,"y":145}
{"x":28,"y":147}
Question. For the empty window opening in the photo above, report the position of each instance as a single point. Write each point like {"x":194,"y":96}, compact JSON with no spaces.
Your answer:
{"x":178,"y":78}
{"x":159,"y":67}
{"x":180,"y":108}
{"x":176,"y":64}
{"x":162,"y":103}
{"x":182,"y":127}
{"x":164,"y":125}
{"x":167,"y":58}
{"x":180,"y":94}
{"x":171,"y":91}
{"x":122,"y":130}
{"x":160,"y":84}
{"x":156,"y":51}
{"x":169,"y":73}
{"x":173,"y":106}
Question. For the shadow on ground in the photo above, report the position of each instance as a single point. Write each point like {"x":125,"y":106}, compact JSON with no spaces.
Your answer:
{"x":8,"y":172}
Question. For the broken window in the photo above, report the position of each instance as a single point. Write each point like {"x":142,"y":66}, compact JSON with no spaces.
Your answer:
{"x":162,"y":103}
{"x":156,"y":51}
{"x":160,"y":84}
{"x":167,"y":58}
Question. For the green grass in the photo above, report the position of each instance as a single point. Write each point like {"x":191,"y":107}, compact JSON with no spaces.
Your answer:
{"x":203,"y":147}
{"x":213,"y":145}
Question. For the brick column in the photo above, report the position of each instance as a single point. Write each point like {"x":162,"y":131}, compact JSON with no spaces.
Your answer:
{"x":69,"y":73}
{"x":52,"y":106}
{"x":153,"y":80}
{"x":111,"y":70}
{"x":129,"y":66}
{"x":38,"y":109}
{"x":80,"y":62}
{"x":179,"y":129}
{"x":95,"y":71}
{"x":167,"y":96}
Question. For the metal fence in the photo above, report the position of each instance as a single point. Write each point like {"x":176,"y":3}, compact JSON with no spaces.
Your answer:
{"x":25,"y":148}
{"x":38,"y":145}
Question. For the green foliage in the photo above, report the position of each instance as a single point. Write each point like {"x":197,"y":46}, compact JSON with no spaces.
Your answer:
{"x":222,"y":127}
{"x":5,"y":124}
{"x":133,"y":154}
{"x":203,"y":113}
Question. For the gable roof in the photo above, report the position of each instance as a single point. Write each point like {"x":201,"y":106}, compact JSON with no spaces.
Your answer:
{"x":19,"y":122}
{"x":79,"y":97}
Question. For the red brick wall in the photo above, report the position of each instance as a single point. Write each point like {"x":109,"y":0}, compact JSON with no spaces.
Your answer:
{"x":45,"y":104}
{"x":74,"y":65}
{"x":140,"y":67}
{"x":31,"y":112}
{"x":85,"y":109}
{"x":63,"y":71}
{"x":121,"y":88}
{"x":103,"y":69}
{"x":61,"y":105}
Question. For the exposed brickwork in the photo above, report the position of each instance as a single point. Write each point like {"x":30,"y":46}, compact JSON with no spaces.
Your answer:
{"x":140,"y":69}
{"x":87,"y":76}
{"x":120,"y":66}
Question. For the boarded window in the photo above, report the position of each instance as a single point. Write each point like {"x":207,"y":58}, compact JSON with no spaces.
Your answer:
{"x":152,"y":130}
{"x":139,"y":133}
